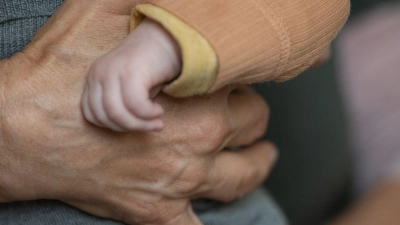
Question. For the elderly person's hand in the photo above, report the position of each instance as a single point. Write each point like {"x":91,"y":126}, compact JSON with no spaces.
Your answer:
{"x":48,"y":151}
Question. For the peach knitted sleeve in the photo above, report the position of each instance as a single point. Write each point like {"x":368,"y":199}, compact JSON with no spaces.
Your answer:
{"x":261,"y":40}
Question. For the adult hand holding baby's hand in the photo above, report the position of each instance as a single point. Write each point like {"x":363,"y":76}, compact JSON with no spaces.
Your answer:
{"x":50,"y":152}
{"x":122,"y":83}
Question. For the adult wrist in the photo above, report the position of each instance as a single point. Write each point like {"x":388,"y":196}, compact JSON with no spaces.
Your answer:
{"x":14,"y":168}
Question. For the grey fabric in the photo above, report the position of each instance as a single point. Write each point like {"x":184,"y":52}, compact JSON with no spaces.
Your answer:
{"x":258,"y":208}
{"x":255,"y":209}
{"x":19,"y":20}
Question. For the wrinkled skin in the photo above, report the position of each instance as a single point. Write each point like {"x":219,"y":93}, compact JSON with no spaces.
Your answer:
{"x":48,"y":151}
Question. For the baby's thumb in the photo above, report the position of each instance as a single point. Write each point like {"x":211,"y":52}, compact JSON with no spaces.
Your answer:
{"x":154,"y":91}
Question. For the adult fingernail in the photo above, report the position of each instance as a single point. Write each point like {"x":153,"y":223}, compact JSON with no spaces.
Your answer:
{"x":274,"y":154}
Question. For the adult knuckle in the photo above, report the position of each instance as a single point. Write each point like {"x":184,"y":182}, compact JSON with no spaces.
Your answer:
{"x":190,"y":183}
{"x":189,"y":180}
{"x":214,"y":133}
{"x":248,"y":177}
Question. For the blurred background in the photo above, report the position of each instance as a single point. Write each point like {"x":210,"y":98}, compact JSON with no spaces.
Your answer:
{"x":338,"y":126}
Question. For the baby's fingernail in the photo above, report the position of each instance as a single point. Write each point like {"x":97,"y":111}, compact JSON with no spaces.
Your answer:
{"x":158,"y":126}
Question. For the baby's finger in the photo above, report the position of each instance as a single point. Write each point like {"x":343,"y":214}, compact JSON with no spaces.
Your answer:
{"x":135,"y":94}
{"x":95,"y":100}
{"x":117,"y":112}
{"x":87,"y":113}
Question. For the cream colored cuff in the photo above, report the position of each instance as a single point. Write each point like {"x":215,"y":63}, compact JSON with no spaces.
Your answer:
{"x":199,"y":60}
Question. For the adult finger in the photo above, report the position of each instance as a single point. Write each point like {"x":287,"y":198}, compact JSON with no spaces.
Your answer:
{"x":325,"y":55}
{"x":249,"y":116}
{"x":96,"y":106}
{"x":186,"y":218}
{"x":235,"y":173}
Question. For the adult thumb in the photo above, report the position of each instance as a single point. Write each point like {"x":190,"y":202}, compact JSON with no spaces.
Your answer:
{"x":188,"y":217}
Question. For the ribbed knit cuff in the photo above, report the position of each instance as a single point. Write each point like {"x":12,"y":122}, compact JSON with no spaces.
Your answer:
{"x":199,"y":60}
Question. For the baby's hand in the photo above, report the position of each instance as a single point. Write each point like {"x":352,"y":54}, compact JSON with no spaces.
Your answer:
{"x":122,"y":83}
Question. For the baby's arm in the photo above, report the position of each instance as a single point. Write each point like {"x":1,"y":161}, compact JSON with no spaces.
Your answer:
{"x":122,"y":83}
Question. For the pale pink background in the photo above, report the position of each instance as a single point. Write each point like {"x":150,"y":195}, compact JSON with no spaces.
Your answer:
{"x":369,"y":65}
